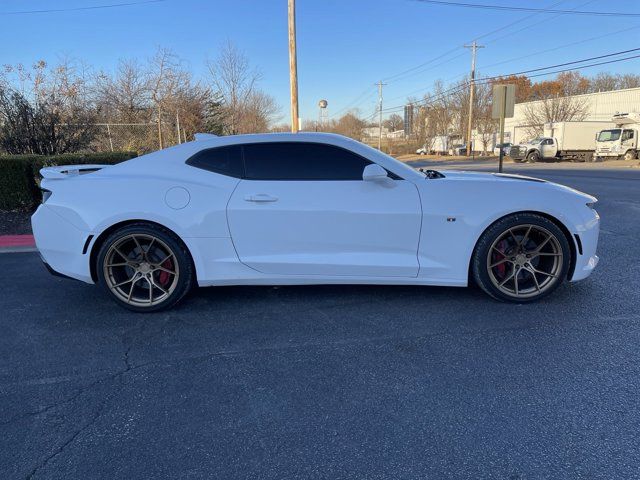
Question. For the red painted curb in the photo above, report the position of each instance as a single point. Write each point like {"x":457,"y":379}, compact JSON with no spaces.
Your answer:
{"x":17,"y":241}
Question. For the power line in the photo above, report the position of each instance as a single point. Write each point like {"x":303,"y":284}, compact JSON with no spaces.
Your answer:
{"x":531,"y":25}
{"x":524,"y":72}
{"x":559,"y":47}
{"x":354,"y":103}
{"x":76,"y":9}
{"x":432,"y":99}
{"x":484,"y":80}
{"x":529,"y":9}
{"x":412,"y":71}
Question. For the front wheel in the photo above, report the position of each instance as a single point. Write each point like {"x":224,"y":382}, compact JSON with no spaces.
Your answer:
{"x":144,"y":267}
{"x":521,"y":258}
{"x":630,"y":155}
{"x":533,"y":157}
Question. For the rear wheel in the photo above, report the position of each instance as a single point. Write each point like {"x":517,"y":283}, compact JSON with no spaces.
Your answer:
{"x":145,"y":268}
{"x":521,"y":258}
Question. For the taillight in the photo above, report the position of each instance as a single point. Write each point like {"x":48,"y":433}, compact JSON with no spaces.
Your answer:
{"x":45,"y":194}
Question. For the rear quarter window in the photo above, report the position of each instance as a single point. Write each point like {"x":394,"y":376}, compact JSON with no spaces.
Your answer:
{"x":223,"y":160}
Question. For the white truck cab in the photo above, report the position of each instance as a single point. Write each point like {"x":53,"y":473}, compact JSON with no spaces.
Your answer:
{"x":621,"y":141}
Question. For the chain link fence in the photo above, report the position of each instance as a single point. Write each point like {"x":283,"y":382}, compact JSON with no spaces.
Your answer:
{"x":138,"y":137}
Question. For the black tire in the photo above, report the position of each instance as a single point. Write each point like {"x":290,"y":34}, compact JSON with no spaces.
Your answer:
{"x":161,"y":242}
{"x":630,"y":155}
{"x":533,"y":157}
{"x":482,"y":259}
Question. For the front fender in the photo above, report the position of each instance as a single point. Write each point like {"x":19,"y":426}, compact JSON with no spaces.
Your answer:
{"x":457,"y":212}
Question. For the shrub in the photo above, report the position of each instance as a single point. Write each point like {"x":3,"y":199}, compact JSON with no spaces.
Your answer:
{"x":20,"y":174}
{"x":17,"y":186}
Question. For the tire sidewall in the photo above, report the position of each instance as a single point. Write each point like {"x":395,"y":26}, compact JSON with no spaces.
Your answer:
{"x":533,"y":157}
{"x":479,"y":259}
{"x":181,"y":255}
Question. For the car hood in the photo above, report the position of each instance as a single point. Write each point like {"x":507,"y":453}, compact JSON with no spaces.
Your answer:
{"x":495,"y":180}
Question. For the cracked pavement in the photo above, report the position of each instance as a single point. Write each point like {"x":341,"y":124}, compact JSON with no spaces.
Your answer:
{"x":330,"y":381}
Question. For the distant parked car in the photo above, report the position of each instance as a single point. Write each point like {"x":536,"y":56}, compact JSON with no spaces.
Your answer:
{"x":458,"y":150}
{"x":422,"y":150}
{"x":506,"y":147}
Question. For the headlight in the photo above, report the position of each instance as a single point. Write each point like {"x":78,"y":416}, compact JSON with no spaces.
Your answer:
{"x":591,"y":205}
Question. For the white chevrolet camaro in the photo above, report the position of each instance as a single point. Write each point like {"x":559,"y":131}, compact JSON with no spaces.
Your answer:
{"x":306,"y":208}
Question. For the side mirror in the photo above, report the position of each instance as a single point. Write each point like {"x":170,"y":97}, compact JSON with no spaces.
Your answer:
{"x":374,"y":173}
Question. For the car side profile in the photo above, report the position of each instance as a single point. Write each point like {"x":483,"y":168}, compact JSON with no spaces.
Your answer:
{"x":306,"y":208}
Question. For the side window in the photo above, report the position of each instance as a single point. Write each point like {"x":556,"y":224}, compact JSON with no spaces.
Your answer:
{"x":301,"y":161}
{"x":223,"y":160}
{"x":548,"y":141}
{"x":627,"y":135}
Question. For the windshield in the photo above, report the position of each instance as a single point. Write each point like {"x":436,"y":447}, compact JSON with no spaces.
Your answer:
{"x":535,"y":140}
{"x":609,"y":135}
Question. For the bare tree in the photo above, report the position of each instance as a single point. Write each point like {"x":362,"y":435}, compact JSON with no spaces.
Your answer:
{"x":553,"y":109}
{"x":394,"y":122}
{"x":123,"y":97}
{"x":246,"y":109}
{"x":350,"y":125}
{"x":52,"y":110}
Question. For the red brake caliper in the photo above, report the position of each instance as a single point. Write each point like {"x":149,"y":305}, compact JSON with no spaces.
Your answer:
{"x":163,"y":278}
{"x":497,"y":256}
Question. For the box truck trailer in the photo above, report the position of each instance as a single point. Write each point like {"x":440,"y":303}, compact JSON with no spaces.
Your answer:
{"x":574,"y":141}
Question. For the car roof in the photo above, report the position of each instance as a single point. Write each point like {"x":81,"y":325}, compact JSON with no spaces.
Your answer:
{"x":177,"y":154}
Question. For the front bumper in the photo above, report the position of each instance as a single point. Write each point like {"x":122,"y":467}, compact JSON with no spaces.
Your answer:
{"x":588,"y":260}
{"x":607,"y":154}
{"x":61,"y":244}
{"x":517,"y":153}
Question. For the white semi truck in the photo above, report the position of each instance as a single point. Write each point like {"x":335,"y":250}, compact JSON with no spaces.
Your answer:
{"x":574,"y":141}
{"x":621,"y":141}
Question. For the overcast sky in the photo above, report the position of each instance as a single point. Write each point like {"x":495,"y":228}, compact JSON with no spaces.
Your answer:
{"x":344,"y":46}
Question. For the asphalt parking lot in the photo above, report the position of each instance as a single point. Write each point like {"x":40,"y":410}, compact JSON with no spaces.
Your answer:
{"x":331,"y":381}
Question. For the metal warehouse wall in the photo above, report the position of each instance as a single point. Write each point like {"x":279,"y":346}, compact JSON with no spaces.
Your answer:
{"x":601,"y":106}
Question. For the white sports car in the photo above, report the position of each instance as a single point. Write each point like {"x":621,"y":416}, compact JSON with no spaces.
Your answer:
{"x":306,"y":208}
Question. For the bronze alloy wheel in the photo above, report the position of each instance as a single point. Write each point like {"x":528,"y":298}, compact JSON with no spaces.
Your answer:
{"x":141,"y":270}
{"x":525,"y":261}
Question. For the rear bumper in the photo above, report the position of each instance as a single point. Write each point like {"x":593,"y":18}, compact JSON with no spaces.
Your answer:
{"x":588,"y":260}
{"x":61,"y":244}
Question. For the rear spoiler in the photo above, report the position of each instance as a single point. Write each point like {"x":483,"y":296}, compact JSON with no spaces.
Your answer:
{"x":64,"y":171}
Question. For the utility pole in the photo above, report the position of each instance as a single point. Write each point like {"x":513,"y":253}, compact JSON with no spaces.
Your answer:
{"x":380,"y":85}
{"x":178,"y":126}
{"x":293,"y":66}
{"x":160,"y":142}
{"x":472,"y":85}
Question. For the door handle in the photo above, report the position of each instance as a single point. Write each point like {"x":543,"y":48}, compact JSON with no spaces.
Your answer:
{"x":260,"y":198}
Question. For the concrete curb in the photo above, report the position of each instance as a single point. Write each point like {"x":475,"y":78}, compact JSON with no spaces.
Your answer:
{"x":17,"y":249}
